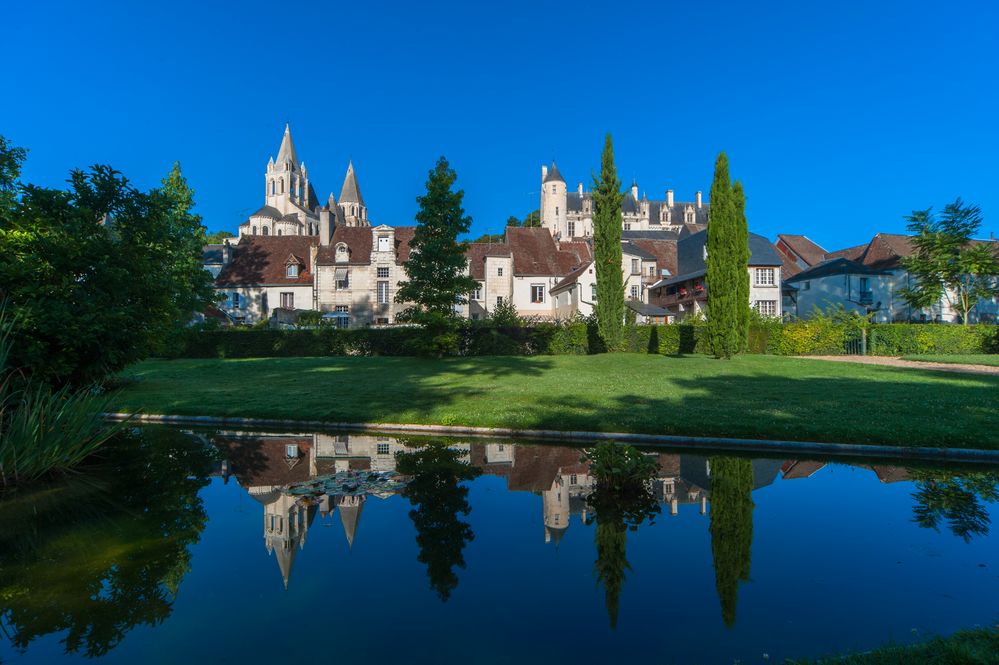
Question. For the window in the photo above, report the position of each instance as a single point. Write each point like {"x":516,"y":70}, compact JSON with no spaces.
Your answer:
{"x":342,"y":278}
{"x":254,"y":230}
{"x":383,"y":243}
{"x":553,"y":189}
{"x":383,"y":449}
{"x":806,"y":286}
{"x":573,"y":480}
{"x":235,"y":301}
{"x":499,"y":300}
{"x":383,"y":293}
{"x":499,"y":271}
{"x":287,"y":300}
{"x":477,"y":293}
{"x":634,"y":291}
{"x":272,"y":188}
{"x":341,"y":308}
{"x":383,"y":272}
{"x":266,"y":231}
{"x":688,"y":216}
{"x":635,"y":267}
{"x":652,"y":271}
{"x":279,"y":231}
{"x":865,"y":283}
{"x":342,"y":253}
{"x":293,"y":270}
{"x":764,"y":277}
{"x":291,"y":451}
{"x":766,"y":307}
{"x":475,"y":317}
{"x":537,"y":293}
{"x":571,"y":229}
{"x":381,"y":321}
{"x":627,"y":226}
{"x":593,"y":291}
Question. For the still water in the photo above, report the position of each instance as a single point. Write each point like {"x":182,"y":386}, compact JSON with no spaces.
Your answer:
{"x":244,"y":547}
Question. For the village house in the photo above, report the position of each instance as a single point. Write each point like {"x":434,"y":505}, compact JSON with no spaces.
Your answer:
{"x":868,"y":279}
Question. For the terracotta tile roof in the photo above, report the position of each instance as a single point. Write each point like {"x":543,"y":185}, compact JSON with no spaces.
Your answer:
{"x":803,"y":247}
{"x":477,"y":253}
{"x":663,"y":250}
{"x":793,"y":468}
{"x":263,"y":260}
{"x":536,"y":253}
{"x":788,"y":266}
{"x":535,"y":467}
{"x":885,"y":250}
{"x":359,"y":241}
{"x":853,"y":253}
{"x":262,"y":462}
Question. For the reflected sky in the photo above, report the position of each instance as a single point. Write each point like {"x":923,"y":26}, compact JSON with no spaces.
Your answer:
{"x":253,"y":547}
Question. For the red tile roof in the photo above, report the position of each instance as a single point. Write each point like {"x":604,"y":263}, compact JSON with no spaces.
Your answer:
{"x":853,"y":253}
{"x":663,"y":250}
{"x":359,"y":241}
{"x":802,"y":246}
{"x":477,"y":253}
{"x":260,"y":260}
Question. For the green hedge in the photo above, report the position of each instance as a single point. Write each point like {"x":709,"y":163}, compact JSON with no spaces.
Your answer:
{"x":817,"y":337}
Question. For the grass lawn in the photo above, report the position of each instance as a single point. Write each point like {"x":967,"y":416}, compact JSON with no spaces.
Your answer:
{"x":991,"y":360}
{"x":750,"y":396}
{"x":966,"y":647}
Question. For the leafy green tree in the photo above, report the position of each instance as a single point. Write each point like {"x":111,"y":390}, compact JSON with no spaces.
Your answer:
{"x":731,"y":528}
{"x":92,"y":557}
{"x":620,"y":502}
{"x":533,"y":220}
{"x":946,"y":263}
{"x":490,"y":237}
{"x":11,"y":158}
{"x":727,"y":261}
{"x":437,"y":264}
{"x":439,"y":497}
{"x":607,"y":198}
{"x":99,"y":275}
{"x":512,"y":221}
{"x":218,"y":237}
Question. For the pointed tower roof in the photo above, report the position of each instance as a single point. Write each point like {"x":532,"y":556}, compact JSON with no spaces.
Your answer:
{"x":287,"y":150}
{"x":351,"y":193}
{"x":285,"y":558}
{"x":350,"y":516}
{"x":554,"y":175}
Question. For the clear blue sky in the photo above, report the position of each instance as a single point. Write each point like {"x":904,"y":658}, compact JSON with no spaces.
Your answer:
{"x":838,"y":117}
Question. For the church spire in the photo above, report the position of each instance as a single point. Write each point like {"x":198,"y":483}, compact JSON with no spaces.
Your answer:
{"x":286,"y":153}
{"x":351,"y":193}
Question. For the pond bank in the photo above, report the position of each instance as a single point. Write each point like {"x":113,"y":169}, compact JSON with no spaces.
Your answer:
{"x":969,"y":455}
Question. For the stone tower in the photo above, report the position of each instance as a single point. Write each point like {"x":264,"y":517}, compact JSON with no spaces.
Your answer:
{"x":553,"y":201}
{"x":287,"y":179}
{"x":355,"y":213}
{"x":555,"y":502}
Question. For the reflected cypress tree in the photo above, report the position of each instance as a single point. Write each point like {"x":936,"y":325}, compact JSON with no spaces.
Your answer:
{"x":439,"y":498}
{"x":620,"y":502}
{"x":731,"y":528}
{"x":956,"y":499}
{"x":105,"y":551}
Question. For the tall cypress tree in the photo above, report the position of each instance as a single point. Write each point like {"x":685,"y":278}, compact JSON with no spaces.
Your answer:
{"x":742,"y":258}
{"x":727,"y":277}
{"x":607,"y":198}
{"x":731,"y":528}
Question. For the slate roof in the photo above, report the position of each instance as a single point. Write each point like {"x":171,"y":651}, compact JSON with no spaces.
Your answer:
{"x":835,"y":267}
{"x":553,"y":175}
{"x":287,"y":150}
{"x":645,"y":309}
{"x":571,"y":278}
{"x":259,"y":260}
{"x":268,"y":211}
{"x":633,"y":249}
{"x":811,"y":252}
{"x":212,"y":254}
{"x":690,"y":256}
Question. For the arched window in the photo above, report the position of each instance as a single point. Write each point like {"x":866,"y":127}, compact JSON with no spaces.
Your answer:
{"x":279,"y":231}
{"x":282,"y":185}
{"x":342,"y":255}
{"x":254,"y":230}
{"x":272,"y":188}
{"x":266,"y":231}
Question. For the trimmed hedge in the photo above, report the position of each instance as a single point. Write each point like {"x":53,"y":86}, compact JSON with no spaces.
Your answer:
{"x":816,"y":337}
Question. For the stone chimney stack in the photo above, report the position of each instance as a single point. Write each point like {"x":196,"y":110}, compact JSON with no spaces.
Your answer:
{"x":698,"y":199}
{"x":580,"y":190}
{"x":325,"y":225}
{"x":669,"y":198}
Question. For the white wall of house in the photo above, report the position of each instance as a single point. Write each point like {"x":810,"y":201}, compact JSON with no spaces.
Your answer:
{"x":764,"y":290}
{"x":256,"y":303}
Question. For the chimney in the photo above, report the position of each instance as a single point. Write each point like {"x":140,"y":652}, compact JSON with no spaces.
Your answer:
{"x":544,"y":172}
{"x":226,"y":252}
{"x":579,"y":189}
{"x":669,"y":198}
{"x":325,"y":226}
{"x":698,"y":199}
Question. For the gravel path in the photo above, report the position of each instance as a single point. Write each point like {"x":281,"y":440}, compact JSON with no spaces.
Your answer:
{"x":912,"y":364}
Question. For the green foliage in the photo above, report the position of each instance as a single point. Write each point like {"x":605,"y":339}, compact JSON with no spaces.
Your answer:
{"x":533,"y":219}
{"x":100,"y":275}
{"x":897,"y":339}
{"x":731,"y":528}
{"x":217,"y":238}
{"x":439,"y":498}
{"x":44,"y":431}
{"x":968,"y":647}
{"x":437,"y":264}
{"x":11,"y":158}
{"x":728,"y":255}
{"x":90,"y":558}
{"x":955,"y":499}
{"x":946,"y":264}
{"x":607,"y":198}
{"x":491,"y":237}
{"x":619,"y":467}
{"x":505,"y":314}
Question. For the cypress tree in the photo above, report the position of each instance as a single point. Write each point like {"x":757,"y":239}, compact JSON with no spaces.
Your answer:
{"x":726,"y":271}
{"x":742,"y":258}
{"x":607,"y":199}
{"x":731,"y":528}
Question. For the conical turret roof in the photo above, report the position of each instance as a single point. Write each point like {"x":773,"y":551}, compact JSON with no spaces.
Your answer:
{"x":351,"y":193}
{"x":350,"y":516}
{"x":554,"y":175}
{"x":286,"y":153}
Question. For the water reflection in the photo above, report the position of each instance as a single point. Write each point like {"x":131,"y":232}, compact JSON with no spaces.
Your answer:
{"x":91,"y":558}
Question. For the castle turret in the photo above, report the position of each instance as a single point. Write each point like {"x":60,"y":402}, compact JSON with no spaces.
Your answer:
{"x":351,"y":202}
{"x":553,"y":201}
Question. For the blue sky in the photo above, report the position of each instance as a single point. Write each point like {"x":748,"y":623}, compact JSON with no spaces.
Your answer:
{"x":838,"y":117}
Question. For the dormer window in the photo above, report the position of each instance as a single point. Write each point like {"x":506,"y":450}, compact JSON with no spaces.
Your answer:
{"x":342,"y":253}
{"x":383,"y":243}
{"x":292,"y":270}
{"x":688,"y":216}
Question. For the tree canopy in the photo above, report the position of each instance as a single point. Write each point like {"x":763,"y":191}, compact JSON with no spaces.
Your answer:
{"x":947,"y":264}
{"x":97,"y":276}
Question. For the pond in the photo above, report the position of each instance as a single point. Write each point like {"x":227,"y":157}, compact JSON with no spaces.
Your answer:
{"x":233,"y":546}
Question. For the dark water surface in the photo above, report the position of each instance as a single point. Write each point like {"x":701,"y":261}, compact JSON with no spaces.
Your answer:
{"x":242,"y":547}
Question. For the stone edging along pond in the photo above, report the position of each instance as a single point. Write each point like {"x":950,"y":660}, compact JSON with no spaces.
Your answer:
{"x":665,"y":440}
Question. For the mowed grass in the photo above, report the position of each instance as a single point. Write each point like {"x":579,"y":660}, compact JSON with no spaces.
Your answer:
{"x":750,"y":396}
{"x":964,"y":648}
{"x":991,"y":360}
